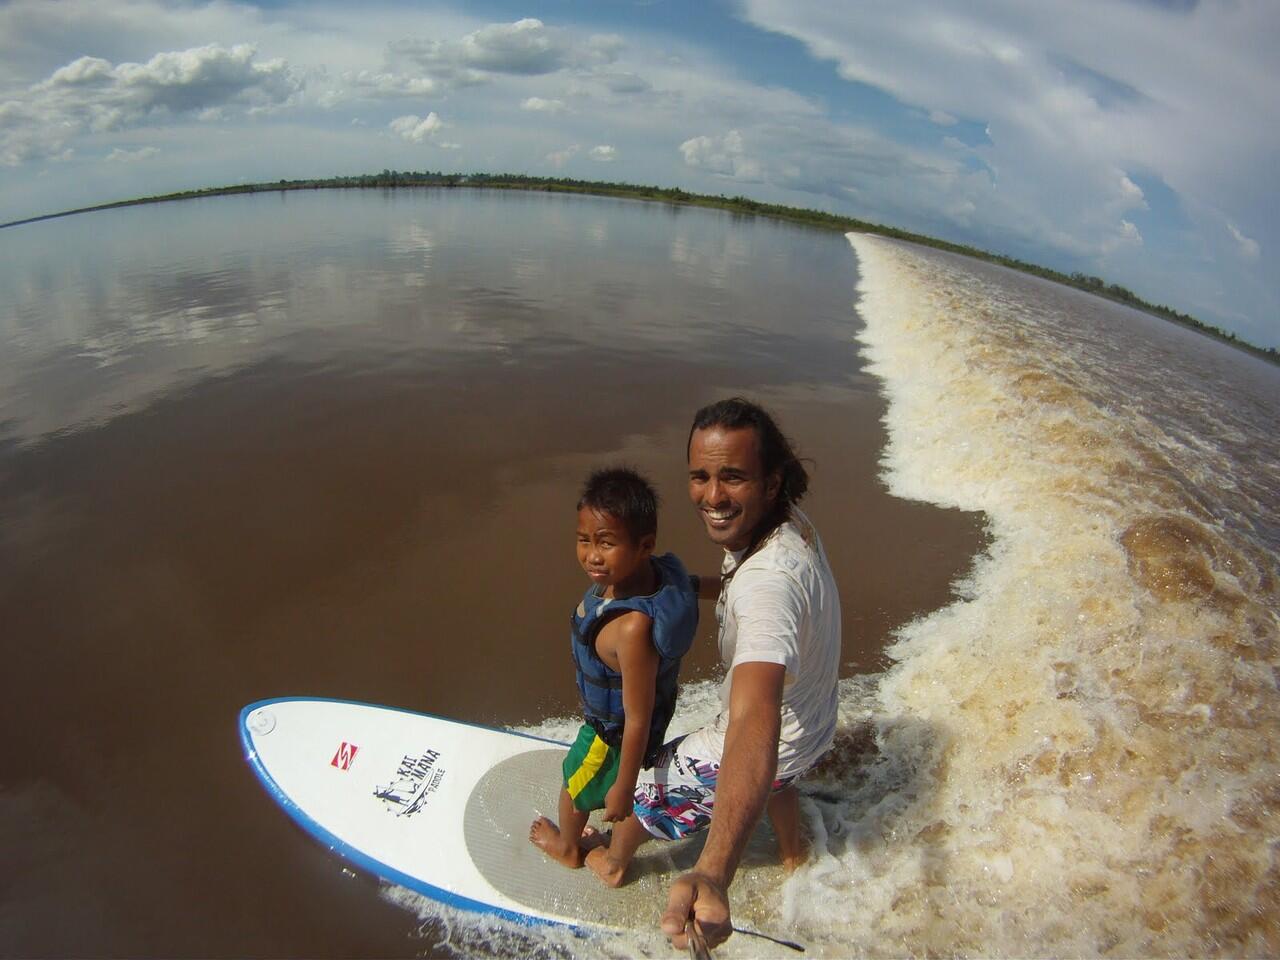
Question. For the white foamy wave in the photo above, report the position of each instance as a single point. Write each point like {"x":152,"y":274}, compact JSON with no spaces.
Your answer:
{"x":1091,"y":732}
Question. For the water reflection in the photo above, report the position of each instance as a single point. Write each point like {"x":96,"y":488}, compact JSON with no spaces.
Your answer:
{"x":202,"y":304}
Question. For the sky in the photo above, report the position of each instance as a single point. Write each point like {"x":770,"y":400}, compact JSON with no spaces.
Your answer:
{"x":1136,"y":140}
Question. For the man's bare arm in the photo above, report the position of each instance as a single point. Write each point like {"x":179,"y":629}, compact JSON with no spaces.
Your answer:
{"x":743,"y":783}
{"x":747,"y":768}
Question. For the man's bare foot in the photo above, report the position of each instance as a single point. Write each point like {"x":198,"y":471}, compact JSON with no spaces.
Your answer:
{"x":610,"y":872}
{"x":793,"y":863}
{"x":546,"y":836}
{"x":784,"y":815}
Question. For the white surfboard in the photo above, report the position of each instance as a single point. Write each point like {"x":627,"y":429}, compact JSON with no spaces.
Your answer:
{"x":442,"y":808}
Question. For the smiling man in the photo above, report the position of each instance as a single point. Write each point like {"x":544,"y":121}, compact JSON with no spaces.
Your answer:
{"x":778,"y":612}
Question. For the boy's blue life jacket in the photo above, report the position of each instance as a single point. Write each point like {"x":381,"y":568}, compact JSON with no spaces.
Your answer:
{"x":673,"y":608}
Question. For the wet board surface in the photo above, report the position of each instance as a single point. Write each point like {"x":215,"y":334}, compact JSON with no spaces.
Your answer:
{"x":442,"y":808}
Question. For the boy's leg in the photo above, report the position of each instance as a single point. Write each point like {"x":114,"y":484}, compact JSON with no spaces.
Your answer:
{"x":610,"y":862}
{"x":784,"y":815}
{"x":676,"y":803}
{"x":561,"y":843}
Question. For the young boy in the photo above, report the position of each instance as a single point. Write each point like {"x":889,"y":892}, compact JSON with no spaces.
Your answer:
{"x":632,"y":627}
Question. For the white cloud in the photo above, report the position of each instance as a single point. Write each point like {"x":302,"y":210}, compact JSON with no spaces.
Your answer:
{"x":1068,"y":101}
{"x":942,"y":118}
{"x":961,"y":210}
{"x":202,"y":77}
{"x":120,"y":155}
{"x":1120,"y":196}
{"x":523,"y":47}
{"x":388,"y":86}
{"x":90,"y":95}
{"x":1131,"y":193}
{"x":1249,"y":249}
{"x":724,"y":155}
{"x":36,"y":36}
{"x":624,"y":82}
{"x":84,"y":70}
{"x":1126,"y":234}
{"x":539,"y":105}
{"x":416,"y":129}
{"x":526,"y":47}
{"x":560,"y":157}
{"x":603,"y":153}
{"x":23,"y":137}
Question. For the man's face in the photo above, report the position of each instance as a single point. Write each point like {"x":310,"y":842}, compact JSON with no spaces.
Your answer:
{"x":727,"y":486}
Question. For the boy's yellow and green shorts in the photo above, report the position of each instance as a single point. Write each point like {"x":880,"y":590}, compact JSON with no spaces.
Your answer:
{"x":590,"y":770}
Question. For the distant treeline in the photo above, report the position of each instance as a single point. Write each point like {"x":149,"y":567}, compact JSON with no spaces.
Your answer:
{"x":389,"y":179}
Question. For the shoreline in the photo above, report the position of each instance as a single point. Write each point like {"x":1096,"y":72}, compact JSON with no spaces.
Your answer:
{"x":675,"y":196}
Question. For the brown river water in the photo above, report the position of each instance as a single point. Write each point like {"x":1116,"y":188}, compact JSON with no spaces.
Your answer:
{"x":329,"y":444}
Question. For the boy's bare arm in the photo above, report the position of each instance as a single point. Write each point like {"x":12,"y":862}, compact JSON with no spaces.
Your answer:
{"x":632,"y":643}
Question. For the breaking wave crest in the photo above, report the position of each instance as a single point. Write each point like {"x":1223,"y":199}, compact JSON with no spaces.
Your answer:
{"x":1096,"y":721}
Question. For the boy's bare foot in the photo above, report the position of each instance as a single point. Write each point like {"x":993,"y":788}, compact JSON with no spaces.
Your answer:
{"x":592,"y":838}
{"x":610,"y":872}
{"x":547,"y":837}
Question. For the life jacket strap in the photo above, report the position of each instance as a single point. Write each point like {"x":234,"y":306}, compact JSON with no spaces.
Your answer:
{"x":609,"y":683}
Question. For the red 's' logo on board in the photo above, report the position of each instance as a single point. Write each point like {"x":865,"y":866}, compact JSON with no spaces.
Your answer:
{"x":345,"y":756}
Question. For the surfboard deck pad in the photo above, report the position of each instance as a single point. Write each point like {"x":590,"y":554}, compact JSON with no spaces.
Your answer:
{"x":497,"y":837}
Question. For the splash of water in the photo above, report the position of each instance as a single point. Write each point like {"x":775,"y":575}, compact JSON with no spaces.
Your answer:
{"x":1093,"y":727}
{"x":1079,"y":755}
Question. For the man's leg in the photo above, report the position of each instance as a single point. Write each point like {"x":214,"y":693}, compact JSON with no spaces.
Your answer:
{"x":783,"y":808}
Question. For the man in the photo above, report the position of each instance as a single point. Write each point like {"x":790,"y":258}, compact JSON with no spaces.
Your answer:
{"x":779,"y":639}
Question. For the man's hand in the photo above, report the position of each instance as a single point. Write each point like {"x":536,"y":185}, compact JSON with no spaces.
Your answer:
{"x":618,"y":803}
{"x":698,"y":896}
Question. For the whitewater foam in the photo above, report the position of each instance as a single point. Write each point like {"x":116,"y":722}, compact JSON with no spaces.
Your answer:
{"x":1100,"y":712}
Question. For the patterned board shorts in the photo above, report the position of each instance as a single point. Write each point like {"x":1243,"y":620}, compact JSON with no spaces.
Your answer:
{"x":677,"y":802}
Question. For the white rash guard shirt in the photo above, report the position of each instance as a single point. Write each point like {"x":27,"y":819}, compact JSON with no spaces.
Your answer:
{"x":781,"y":606}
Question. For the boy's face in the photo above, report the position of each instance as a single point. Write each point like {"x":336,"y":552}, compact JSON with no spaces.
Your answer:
{"x":606,"y":550}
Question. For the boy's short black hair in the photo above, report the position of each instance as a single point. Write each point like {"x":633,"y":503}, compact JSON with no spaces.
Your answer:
{"x":625,"y":495}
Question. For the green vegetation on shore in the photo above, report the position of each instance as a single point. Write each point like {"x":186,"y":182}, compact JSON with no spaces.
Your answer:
{"x":389,"y":179}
